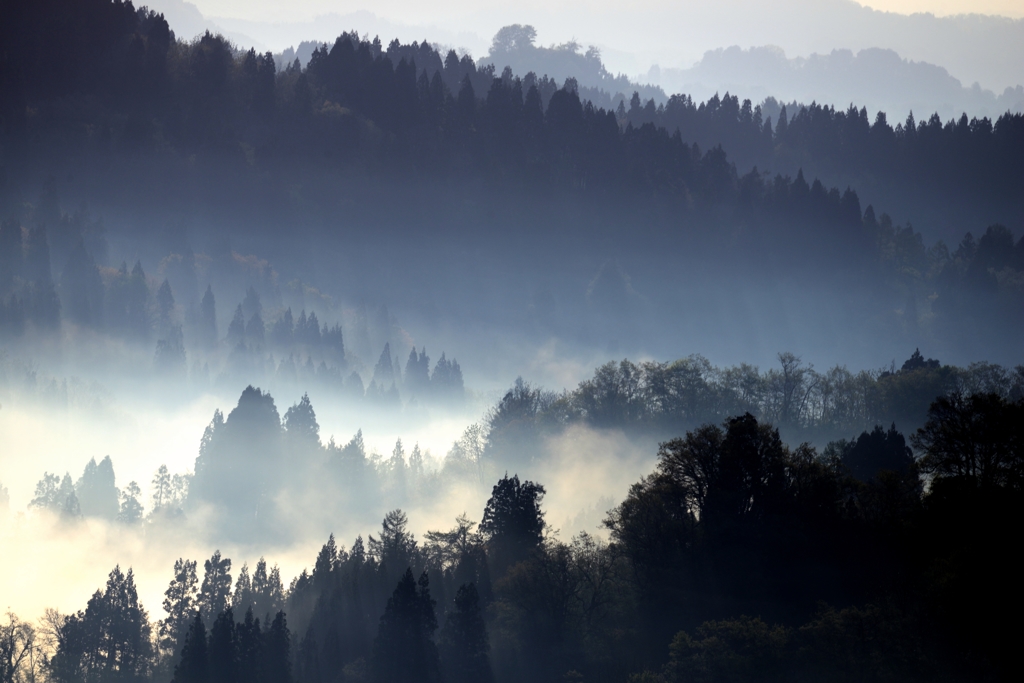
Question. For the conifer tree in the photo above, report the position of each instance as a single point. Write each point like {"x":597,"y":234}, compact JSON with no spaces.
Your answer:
{"x":193,"y":667}
{"x":242,"y":599}
{"x":131,"y":508}
{"x":513,"y":522}
{"x":404,"y":649}
{"x":216,"y":589}
{"x":222,"y":649}
{"x":180,"y":605}
{"x":250,"y":648}
{"x":236,"y":330}
{"x":465,"y":646}
{"x":96,"y":491}
{"x":275,"y":664}
{"x":208,"y":319}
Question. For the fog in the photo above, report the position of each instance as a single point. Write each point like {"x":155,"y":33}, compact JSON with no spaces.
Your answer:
{"x":584,"y":471}
{"x":466,"y":318}
{"x":672,"y":35}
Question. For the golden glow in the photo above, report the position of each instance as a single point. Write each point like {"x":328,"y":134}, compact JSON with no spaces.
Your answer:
{"x":940,"y":8}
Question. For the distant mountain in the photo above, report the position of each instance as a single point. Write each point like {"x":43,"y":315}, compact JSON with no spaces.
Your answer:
{"x":187,"y":22}
{"x":876,"y":78}
{"x":973,"y":48}
{"x":279,"y":35}
{"x":515,"y":47}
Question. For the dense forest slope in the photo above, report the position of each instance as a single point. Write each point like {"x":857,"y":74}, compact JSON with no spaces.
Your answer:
{"x":428,"y":166}
{"x":737,"y":556}
{"x":787,"y":523}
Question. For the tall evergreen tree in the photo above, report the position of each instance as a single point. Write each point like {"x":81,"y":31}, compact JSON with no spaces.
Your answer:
{"x":465,"y":647}
{"x":180,"y":606}
{"x":222,"y":649}
{"x":404,"y":649}
{"x":215,"y":594}
{"x":250,"y":648}
{"x":208,"y":319}
{"x":193,"y":667}
{"x":275,"y":664}
{"x":300,"y":423}
{"x":96,"y":491}
{"x":110,"y":640}
{"x":513,"y":522}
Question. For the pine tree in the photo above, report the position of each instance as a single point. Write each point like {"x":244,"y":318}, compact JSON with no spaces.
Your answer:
{"x":397,"y":470}
{"x":251,"y":305}
{"x":464,"y":643}
{"x":384,"y":371}
{"x":193,"y":667}
{"x":268,"y":592}
{"x":208,"y":319}
{"x":179,"y":604}
{"x":131,"y":508}
{"x":308,"y":665}
{"x":242,"y":599}
{"x":115,"y":632}
{"x":250,"y":648}
{"x":96,"y":490}
{"x":283,"y":330}
{"x":396,"y":547}
{"x":236,"y":330}
{"x":404,"y":649}
{"x":325,"y":561}
{"x":276,"y":660}
{"x":255,"y":330}
{"x":161,"y":488}
{"x":216,"y":589}
{"x":513,"y":522}
{"x":300,"y":423}
{"x":222,"y":650}
{"x":165,"y":307}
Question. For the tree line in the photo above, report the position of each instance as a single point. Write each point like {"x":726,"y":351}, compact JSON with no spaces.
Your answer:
{"x":969,"y":163}
{"x":255,"y":448}
{"x":804,"y":403}
{"x":376,"y":114}
{"x":128,"y":304}
{"x":737,"y":556}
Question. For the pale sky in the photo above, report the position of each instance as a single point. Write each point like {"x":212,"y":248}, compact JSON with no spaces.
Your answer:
{"x":633,"y":36}
{"x":397,"y":9}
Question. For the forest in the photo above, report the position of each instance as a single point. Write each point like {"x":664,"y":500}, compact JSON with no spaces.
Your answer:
{"x":775,"y":479}
{"x":738,"y":556}
{"x":138,"y":127}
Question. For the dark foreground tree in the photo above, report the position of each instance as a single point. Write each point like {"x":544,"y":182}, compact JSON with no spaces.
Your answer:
{"x":223,"y":649}
{"x":404,"y":651}
{"x":194,"y":664}
{"x":180,"y":605}
{"x":110,"y":640}
{"x":977,"y":439}
{"x":513,"y":523}
{"x":465,"y":647}
{"x":275,"y":663}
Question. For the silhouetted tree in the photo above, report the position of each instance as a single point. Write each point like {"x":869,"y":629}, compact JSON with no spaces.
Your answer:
{"x":96,"y":492}
{"x":513,"y":523}
{"x":194,"y":667}
{"x":464,"y":643}
{"x":404,"y":649}
{"x":180,"y":603}
{"x":215,"y":594}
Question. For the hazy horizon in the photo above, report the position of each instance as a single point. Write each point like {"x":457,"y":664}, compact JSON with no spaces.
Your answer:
{"x":664,"y":342}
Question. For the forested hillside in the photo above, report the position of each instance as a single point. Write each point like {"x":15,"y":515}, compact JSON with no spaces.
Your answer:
{"x":369,"y":140}
{"x":737,"y":556}
{"x":191,"y":233}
